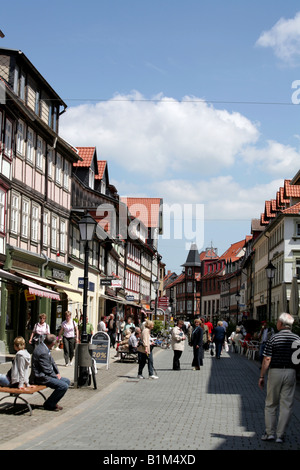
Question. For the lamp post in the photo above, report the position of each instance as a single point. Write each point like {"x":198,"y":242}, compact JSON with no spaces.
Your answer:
{"x":156,"y":287}
{"x":270,"y":271}
{"x":87,"y":227}
{"x":238,"y":299}
{"x":83,"y":360}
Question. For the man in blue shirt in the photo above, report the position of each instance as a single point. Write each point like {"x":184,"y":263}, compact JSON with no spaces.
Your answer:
{"x":45,"y":372}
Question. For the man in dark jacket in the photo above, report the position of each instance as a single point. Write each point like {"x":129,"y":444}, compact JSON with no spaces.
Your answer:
{"x":45,"y":372}
{"x":218,"y":337}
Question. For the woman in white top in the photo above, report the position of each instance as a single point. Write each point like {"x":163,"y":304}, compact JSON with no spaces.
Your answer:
{"x":70,"y":337}
{"x":40,"y":330}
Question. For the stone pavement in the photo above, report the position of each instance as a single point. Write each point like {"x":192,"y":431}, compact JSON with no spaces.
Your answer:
{"x":219,"y":407}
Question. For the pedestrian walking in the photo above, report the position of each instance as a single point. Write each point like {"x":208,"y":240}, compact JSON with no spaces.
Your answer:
{"x":45,"y":372}
{"x":206,"y":335}
{"x":218,"y":337}
{"x":101,"y":325}
{"x":280,"y":360}
{"x":177,"y":343}
{"x":197,"y":343}
{"x":265,"y":333}
{"x":40,"y":330}
{"x":70,"y":337}
{"x":145,"y":351}
{"x":89,"y":329}
{"x":111,"y":329}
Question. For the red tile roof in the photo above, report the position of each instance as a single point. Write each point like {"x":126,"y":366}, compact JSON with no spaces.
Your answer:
{"x":233,"y":251}
{"x":291,"y":190}
{"x":179,"y":279}
{"x":283,"y":199}
{"x":87,"y":154}
{"x":208,"y":255}
{"x":268,"y":209}
{"x":147,"y":210}
{"x":101,"y":169}
{"x":295,"y":209}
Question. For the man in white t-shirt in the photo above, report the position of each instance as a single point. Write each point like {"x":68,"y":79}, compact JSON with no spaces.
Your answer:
{"x":101,"y":325}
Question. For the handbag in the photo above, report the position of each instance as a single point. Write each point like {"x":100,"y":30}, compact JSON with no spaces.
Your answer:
{"x":212,"y":349}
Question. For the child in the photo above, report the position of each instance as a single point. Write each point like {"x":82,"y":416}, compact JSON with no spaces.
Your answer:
{"x":18,"y":375}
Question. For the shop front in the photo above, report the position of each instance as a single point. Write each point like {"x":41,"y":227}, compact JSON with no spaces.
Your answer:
{"x":22,"y":301}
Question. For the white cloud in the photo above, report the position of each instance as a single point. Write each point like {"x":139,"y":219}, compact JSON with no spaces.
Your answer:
{"x":223,"y":197}
{"x":275,"y":158}
{"x":160,"y":136}
{"x":284,"y":39}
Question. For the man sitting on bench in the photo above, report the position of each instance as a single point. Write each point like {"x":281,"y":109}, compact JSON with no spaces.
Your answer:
{"x":133,"y":341}
{"x":45,"y":372}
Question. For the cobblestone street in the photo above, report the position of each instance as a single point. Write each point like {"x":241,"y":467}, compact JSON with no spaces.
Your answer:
{"x":220,"y":407}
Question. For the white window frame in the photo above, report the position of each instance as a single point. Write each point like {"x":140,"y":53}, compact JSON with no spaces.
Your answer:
{"x":66,"y":175}
{"x":58,"y":169}
{"x":15,"y":213}
{"x":22,"y":86}
{"x":91,"y":178}
{"x":8,"y":138}
{"x":2,"y":209}
{"x":20,"y":137}
{"x":54,"y":232}
{"x":46,"y":217}
{"x":50,"y":159}
{"x":62,"y":235}
{"x":34,"y":222}
{"x":25,"y":217}
{"x":40,"y":152}
{"x":16,"y":79}
{"x":30,"y":145}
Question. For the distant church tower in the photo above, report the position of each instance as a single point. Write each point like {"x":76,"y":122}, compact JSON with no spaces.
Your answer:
{"x":192,"y":268}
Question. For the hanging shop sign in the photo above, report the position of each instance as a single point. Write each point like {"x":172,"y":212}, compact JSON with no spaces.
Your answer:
{"x":29,"y":297}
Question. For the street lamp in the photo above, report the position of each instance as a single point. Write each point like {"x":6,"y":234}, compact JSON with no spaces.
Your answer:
{"x":238,"y":299}
{"x":83,"y":360}
{"x":270,"y":271}
{"x":156,"y":284}
{"x":87,"y":227}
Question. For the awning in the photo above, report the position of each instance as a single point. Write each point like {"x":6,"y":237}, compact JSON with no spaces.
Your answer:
{"x":73,"y":294}
{"x":33,"y":288}
{"x":74,"y":298}
{"x":9,"y":276}
{"x":65,"y":286}
{"x":40,"y":291}
{"x":120,"y":300}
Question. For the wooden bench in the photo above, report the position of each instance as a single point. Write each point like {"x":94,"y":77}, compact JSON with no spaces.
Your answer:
{"x":127,"y":355}
{"x":17,"y":392}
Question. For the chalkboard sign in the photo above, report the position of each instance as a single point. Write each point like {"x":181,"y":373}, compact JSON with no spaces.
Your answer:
{"x":100,"y":348}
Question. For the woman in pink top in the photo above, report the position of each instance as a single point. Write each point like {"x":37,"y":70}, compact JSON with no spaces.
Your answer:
{"x":70,"y":337}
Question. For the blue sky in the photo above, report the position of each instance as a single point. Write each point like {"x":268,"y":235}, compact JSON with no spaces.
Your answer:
{"x":187,"y":100}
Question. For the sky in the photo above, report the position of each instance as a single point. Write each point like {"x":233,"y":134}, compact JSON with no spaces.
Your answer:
{"x":193,"y":101}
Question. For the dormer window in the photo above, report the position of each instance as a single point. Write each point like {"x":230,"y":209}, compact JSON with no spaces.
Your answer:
{"x":19,"y":83}
{"x":91,"y":178}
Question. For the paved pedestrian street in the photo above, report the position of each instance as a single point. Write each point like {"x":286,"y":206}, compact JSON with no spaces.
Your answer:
{"x":219,"y":407}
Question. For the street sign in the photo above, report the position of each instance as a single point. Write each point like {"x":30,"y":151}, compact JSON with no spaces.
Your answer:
{"x":130,"y":298}
{"x":105,"y":282}
{"x":163,"y":302}
{"x":100,"y":348}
